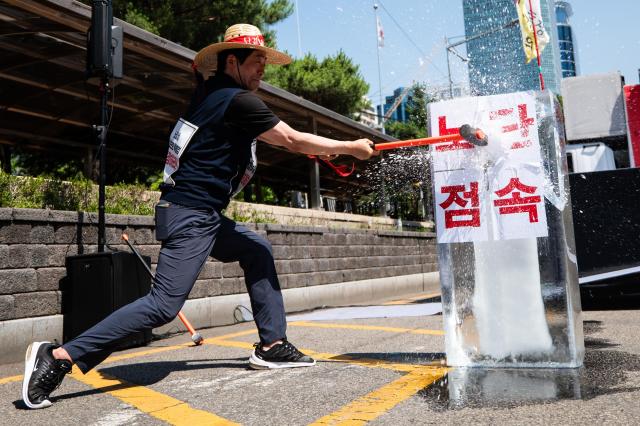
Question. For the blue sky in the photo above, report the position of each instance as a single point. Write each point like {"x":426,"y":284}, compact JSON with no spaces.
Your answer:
{"x":608,"y":38}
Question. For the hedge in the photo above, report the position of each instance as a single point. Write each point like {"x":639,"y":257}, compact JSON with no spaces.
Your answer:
{"x":74,"y":195}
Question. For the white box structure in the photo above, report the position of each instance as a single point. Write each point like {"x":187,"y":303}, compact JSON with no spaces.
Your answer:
{"x":594,"y":106}
{"x":506,"y":249}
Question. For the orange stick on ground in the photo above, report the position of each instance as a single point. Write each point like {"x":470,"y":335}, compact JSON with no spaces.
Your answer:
{"x":186,"y":323}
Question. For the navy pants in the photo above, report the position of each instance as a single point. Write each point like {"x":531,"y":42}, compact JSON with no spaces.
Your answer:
{"x":188,"y":237}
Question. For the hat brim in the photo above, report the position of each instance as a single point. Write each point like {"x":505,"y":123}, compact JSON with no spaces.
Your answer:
{"x":207,"y":58}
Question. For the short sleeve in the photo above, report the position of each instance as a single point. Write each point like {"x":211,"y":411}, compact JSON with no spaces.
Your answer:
{"x":249,"y":115}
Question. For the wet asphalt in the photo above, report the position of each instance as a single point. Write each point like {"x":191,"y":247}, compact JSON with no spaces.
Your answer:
{"x":386,"y":371}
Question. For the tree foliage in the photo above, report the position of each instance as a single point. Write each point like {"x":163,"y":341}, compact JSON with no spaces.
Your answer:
{"x":402,"y":131}
{"x":417,"y":106}
{"x":335,"y":82}
{"x":197,"y":23}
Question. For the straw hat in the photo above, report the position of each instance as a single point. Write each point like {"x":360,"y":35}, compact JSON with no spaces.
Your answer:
{"x":239,"y":36}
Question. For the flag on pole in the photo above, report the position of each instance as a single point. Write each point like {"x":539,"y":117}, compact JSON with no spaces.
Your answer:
{"x":380,"y":32}
{"x":530,"y":16}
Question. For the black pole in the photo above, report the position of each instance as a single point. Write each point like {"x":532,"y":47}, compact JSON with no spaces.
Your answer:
{"x":125,"y":237}
{"x":100,"y":64}
{"x":101,"y":132}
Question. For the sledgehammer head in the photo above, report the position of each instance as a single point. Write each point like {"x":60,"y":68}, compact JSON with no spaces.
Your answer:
{"x":473,"y":135}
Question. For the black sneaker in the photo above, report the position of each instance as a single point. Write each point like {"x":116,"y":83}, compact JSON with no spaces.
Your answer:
{"x":42,"y":374}
{"x":283,"y":355}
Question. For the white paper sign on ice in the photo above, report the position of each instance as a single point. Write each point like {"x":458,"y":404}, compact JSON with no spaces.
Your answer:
{"x":460,"y":206}
{"x":517,"y":203}
{"x":512,"y":204}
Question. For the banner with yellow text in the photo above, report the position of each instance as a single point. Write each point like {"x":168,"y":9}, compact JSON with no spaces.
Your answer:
{"x":530,"y":16}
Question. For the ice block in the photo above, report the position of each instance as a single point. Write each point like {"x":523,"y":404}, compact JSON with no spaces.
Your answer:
{"x":506,"y":248}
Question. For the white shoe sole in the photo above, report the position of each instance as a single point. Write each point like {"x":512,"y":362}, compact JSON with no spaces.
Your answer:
{"x":29,"y":362}
{"x":260,"y":364}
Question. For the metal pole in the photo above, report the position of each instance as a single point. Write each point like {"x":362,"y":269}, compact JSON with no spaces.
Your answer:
{"x":446,"y":42}
{"x":298,"y":26}
{"x":449,"y":47}
{"x":383,"y":195}
{"x":102,"y":138}
{"x":535,"y":38}
{"x":375,"y":14}
{"x":509,"y":24}
{"x":314,"y":175}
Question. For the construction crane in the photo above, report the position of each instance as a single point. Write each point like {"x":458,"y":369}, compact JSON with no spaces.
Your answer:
{"x":395,"y":104}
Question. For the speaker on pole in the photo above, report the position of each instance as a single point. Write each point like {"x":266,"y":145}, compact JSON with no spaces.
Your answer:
{"x":104,"y":60}
{"x":99,"y":60}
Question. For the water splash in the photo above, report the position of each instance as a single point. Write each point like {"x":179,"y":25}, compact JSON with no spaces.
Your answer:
{"x":400,"y":175}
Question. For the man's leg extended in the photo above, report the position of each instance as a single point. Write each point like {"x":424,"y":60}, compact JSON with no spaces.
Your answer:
{"x":237,"y":243}
{"x":190,"y":239}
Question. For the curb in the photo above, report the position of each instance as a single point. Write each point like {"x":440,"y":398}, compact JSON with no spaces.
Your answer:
{"x":219,"y":310}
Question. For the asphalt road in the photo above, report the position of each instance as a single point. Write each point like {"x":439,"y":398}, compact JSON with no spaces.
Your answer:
{"x":386,"y":371}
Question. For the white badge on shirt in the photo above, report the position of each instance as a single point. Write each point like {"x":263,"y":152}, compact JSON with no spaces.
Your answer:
{"x":248,"y":172}
{"x":178,"y":141}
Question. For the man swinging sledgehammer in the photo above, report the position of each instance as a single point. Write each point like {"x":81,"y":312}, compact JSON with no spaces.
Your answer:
{"x":211,"y":158}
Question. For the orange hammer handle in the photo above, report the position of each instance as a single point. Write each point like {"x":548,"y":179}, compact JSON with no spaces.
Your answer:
{"x":186,"y":323}
{"x":417,"y":142}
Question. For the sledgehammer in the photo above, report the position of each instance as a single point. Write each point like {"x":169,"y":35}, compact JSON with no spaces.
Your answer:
{"x":470,"y":134}
{"x":195,"y":336}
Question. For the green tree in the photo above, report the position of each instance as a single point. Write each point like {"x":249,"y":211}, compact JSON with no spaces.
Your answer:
{"x":417,"y":106}
{"x":403,"y":131}
{"x":335,"y":82}
{"x":196,"y":23}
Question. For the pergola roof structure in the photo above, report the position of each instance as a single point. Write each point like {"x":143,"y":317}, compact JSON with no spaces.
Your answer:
{"x":47,"y":103}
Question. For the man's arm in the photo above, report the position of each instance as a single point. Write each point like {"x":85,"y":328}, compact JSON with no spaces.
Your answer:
{"x":306,"y":143}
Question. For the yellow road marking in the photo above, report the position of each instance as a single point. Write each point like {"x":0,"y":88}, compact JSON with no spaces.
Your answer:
{"x":10,"y":379}
{"x":156,"y":404}
{"x":243,"y":345}
{"x":360,"y":411}
{"x":378,"y":402}
{"x":381,"y":400}
{"x":412,"y":299}
{"x":367,"y":327}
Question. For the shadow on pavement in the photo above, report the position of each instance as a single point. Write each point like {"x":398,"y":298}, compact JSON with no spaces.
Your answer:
{"x":145,"y":374}
{"x":149,"y":373}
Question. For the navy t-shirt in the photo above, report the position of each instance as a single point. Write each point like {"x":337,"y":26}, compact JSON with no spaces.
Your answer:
{"x":220,"y":158}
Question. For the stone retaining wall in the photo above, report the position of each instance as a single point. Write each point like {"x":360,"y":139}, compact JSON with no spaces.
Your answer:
{"x":35,"y":243}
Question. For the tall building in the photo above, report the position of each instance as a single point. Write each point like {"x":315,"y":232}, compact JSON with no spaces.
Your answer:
{"x":369,"y":117}
{"x":400,"y":113}
{"x":497,"y":62}
{"x":566,"y":40}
